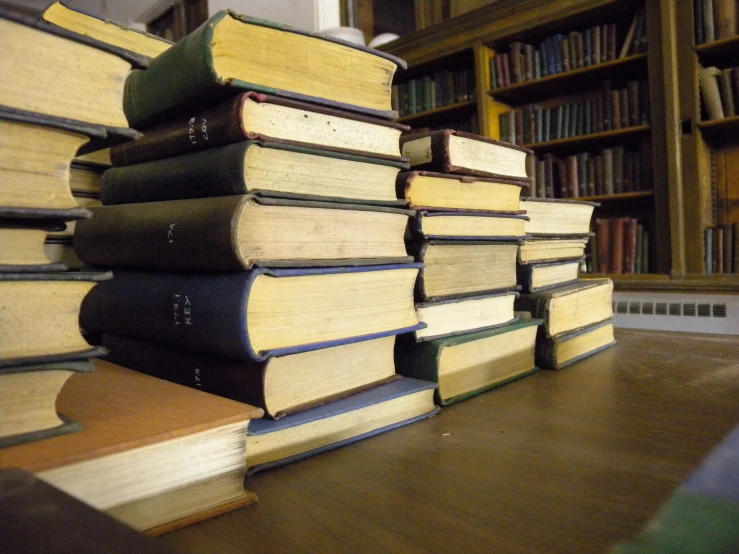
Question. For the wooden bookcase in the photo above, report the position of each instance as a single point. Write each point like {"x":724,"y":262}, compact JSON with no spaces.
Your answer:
{"x":680,"y":203}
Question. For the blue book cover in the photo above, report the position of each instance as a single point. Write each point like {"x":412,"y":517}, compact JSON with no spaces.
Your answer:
{"x":401,"y":387}
{"x":420,"y":233}
{"x":208,"y":312}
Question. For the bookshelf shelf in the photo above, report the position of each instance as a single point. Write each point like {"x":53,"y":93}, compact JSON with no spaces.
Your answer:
{"x":617,"y":197}
{"x":717,"y":49}
{"x":586,"y":141}
{"x":718,"y":127}
{"x":569,"y":81}
{"x":443,"y":110}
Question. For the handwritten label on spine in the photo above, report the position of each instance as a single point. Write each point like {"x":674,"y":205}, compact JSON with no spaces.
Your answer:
{"x":197,"y":131}
{"x":182,"y":310}
{"x":419,"y":150}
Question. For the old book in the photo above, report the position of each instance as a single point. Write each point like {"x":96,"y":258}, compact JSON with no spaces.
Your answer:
{"x":455,"y":269}
{"x":599,"y":175}
{"x":61,"y":251}
{"x":698,"y":12}
{"x":630,"y":233}
{"x":629,"y":40}
{"x":571,"y":307}
{"x":603,"y":237}
{"x":724,"y":12}
{"x":469,"y":225}
{"x":615,"y":110}
{"x":548,"y":176}
{"x":590,"y":171}
{"x":633,"y":110}
{"x":273,"y":169}
{"x":472,"y":363}
{"x":572,"y":347}
{"x":639,"y":247}
{"x":618,"y":169}
{"x":40,"y":518}
{"x":104,"y":30}
{"x":580,"y":47}
{"x":212,"y":63}
{"x":597,"y":57}
{"x":84,"y":179}
{"x":28,"y":408}
{"x":231,"y":233}
{"x":179,"y":461}
{"x":255,"y":314}
{"x":617,"y":240}
{"x":551,"y":249}
{"x":292,"y":438}
{"x":726,"y":92}
{"x":463,"y":315}
{"x":728,"y":247}
{"x":439,"y":191}
{"x":257,"y":116}
{"x":557,"y":217}
{"x":85,"y":201}
{"x":572,"y":177}
{"x":517,"y":70}
{"x":537,"y":277}
{"x":708,"y":79}
{"x":608,"y":171}
{"x":280,"y":385}
{"x":612,"y":31}
{"x":623,"y":98}
{"x":39,"y":316}
{"x":22,"y":245}
{"x":448,"y":151}
{"x":708,"y":251}
{"x":718,"y":250}
{"x":96,"y":159}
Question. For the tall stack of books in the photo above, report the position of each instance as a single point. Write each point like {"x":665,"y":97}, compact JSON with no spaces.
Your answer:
{"x":577,"y":314}
{"x":256,"y":236}
{"x":465,"y":190}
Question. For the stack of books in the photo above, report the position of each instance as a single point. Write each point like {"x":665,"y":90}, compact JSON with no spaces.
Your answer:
{"x":577,"y":313}
{"x":465,"y":190}
{"x":256,"y":237}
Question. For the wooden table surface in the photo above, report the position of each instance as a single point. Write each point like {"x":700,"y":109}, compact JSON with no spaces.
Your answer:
{"x":569,"y":461}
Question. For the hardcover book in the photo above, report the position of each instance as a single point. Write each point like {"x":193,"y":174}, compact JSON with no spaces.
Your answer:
{"x":152,"y":454}
{"x":231,"y":233}
{"x":22,"y":245}
{"x":469,"y":364}
{"x":256,"y":314}
{"x":274,"y":169}
{"x":554,"y":217}
{"x":212,"y":62}
{"x":275,"y":443}
{"x":280,"y":386}
{"x":469,"y":225}
{"x":256,"y":116}
{"x":571,"y":347}
{"x":449,"y":151}
{"x":544,"y":276}
{"x":551,"y":250}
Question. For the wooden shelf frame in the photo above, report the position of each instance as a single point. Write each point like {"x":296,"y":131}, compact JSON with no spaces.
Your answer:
{"x":719,"y":127}
{"x":438,"y":112}
{"x":618,"y":197}
{"x":714,"y":51}
{"x":587,"y":141}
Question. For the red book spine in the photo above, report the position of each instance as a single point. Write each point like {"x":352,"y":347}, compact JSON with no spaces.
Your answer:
{"x":572,"y":177}
{"x":604,"y":252}
{"x":630,"y":246}
{"x":617,"y":244}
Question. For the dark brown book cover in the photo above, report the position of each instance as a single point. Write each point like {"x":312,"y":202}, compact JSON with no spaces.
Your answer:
{"x":572,"y":46}
{"x":618,"y":169}
{"x":630,"y":246}
{"x":222,"y":124}
{"x":591,"y":176}
{"x":615,"y":110}
{"x":599,"y":179}
{"x":634,"y":110}
{"x":735,"y":86}
{"x":600,"y":115}
{"x":617,"y":244}
{"x":611,"y":41}
{"x":725,"y":85}
{"x":628,"y":172}
{"x":596,"y":55}
{"x":549,"y":176}
{"x":623,"y":96}
{"x":519,"y":124}
{"x":564,"y":47}
{"x":607,"y":106}
{"x":498,"y":60}
{"x":529,"y":54}
{"x":580,"y":49}
{"x":724,"y":13}
{"x":603,"y":236}
{"x":515,"y":54}
{"x":507,"y":69}
{"x":603,"y":43}
{"x":573,"y":183}
{"x":728,"y":247}
{"x":718,"y":250}
{"x":563,"y":178}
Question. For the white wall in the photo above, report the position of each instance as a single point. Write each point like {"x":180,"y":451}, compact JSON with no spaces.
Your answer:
{"x":309,"y":15}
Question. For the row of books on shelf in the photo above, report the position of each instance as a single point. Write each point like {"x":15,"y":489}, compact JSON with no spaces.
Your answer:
{"x":442,"y":88}
{"x":620,"y":246}
{"x":467,"y":124}
{"x":714,"y":20}
{"x":721,"y":247}
{"x":720,"y":91}
{"x":604,"y":110}
{"x":562,"y":53}
{"x":610,"y":171}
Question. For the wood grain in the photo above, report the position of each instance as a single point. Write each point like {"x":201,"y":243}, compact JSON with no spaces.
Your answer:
{"x":568,"y":461}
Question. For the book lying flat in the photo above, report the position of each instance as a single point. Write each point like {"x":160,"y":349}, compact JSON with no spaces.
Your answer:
{"x":559,"y":218}
{"x":39,"y":315}
{"x":22,"y":245}
{"x":274,"y":443}
{"x":231,"y":233}
{"x":469,"y":364}
{"x":37,"y":517}
{"x":464,"y":315}
{"x":152,"y":454}
{"x":231,"y":52}
{"x":255,"y":314}
{"x":571,"y":307}
{"x":257,"y":116}
{"x":264,"y":168}
{"x":469,"y":225}
{"x":85,"y":178}
{"x":544,"y":276}
{"x":425,"y":190}
{"x":60,"y":252}
{"x":28,"y":407}
{"x":280,"y":385}
{"x":449,"y":151}
{"x":540,"y":250}
{"x":465,"y":268}
{"x":572,"y":347}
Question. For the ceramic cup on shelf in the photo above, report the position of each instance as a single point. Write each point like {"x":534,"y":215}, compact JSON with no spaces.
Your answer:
{"x":349,"y":34}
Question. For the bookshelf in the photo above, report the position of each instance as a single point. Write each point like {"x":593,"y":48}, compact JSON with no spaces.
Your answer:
{"x":591,"y":140}
{"x":430,"y":115}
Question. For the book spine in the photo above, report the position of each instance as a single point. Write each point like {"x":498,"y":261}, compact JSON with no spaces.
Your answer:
{"x":727,"y":233}
{"x":588,"y":47}
{"x":596,"y":58}
{"x":708,"y":251}
{"x":634,"y":110}
{"x":727,"y":92}
{"x":572,"y":177}
{"x":709,"y":30}
{"x":605,"y":260}
{"x":582,"y":173}
{"x":725,"y":14}
{"x":708,"y":79}
{"x":617,"y":244}
{"x":630,"y":246}
{"x":718,"y":250}
{"x":623,"y":97}
{"x":591,"y":177}
{"x":645,"y":252}
{"x":549,"y":176}
{"x":607,"y":106}
{"x":564,"y":48}
{"x":639,"y":249}
{"x":580,"y":42}
{"x":615,"y":110}
{"x":611,"y":41}
{"x":515,"y":55}
{"x":618,"y":169}
{"x":698,"y":11}
{"x":608,"y":175}
{"x":529,"y":69}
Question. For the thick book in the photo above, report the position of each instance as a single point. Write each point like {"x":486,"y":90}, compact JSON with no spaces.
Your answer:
{"x":22,"y":245}
{"x":257,"y":116}
{"x":539,"y":250}
{"x":571,"y":307}
{"x":725,"y":13}
{"x":454,"y":269}
{"x":544,"y":276}
{"x":231,"y":233}
{"x":152,"y":454}
{"x":469,"y":225}
{"x":275,"y":443}
{"x":259,"y":313}
{"x":280,"y":386}
{"x":603,"y":238}
{"x":726,"y":90}
{"x":469,"y":364}
{"x":425,"y":190}
{"x":39,"y":316}
{"x":40,"y":518}
{"x":556,"y":217}
{"x":28,"y":411}
{"x":449,"y":151}
{"x":457,"y":316}
{"x":213,"y":63}
{"x":572,"y":347}
{"x":708,"y":80}
{"x":104,"y":30}
{"x":264,"y":168}
{"x":618,"y":228}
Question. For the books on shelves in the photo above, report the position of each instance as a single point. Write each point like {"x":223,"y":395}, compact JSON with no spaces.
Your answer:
{"x":557,"y":218}
{"x":441,"y":88}
{"x":569,"y":348}
{"x":543,"y":276}
{"x":471,"y":363}
{"x":180,"y":460}
{"x":714,"y":20}
{"x":721,"y":248}
{"x":719,"y":91}
{"x":274,"y":443}
{"x":621,"y":246}
{"x":462,"y":121}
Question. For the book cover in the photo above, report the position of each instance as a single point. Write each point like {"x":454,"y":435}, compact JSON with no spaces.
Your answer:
{"x":418,"y":231}
{"x":546,"y":349}
{"x":708,"y":79}
{"x":525,"y":275}
{"x":617,"y":244}
{"x":630,"y":236}
{"x":726,"y":18}
{"x":604,"y":245}
{"x":726,"y":91}
{"x":44,"y":224}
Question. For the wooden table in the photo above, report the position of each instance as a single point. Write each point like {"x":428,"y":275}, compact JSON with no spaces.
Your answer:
{"x":569,"y":461}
